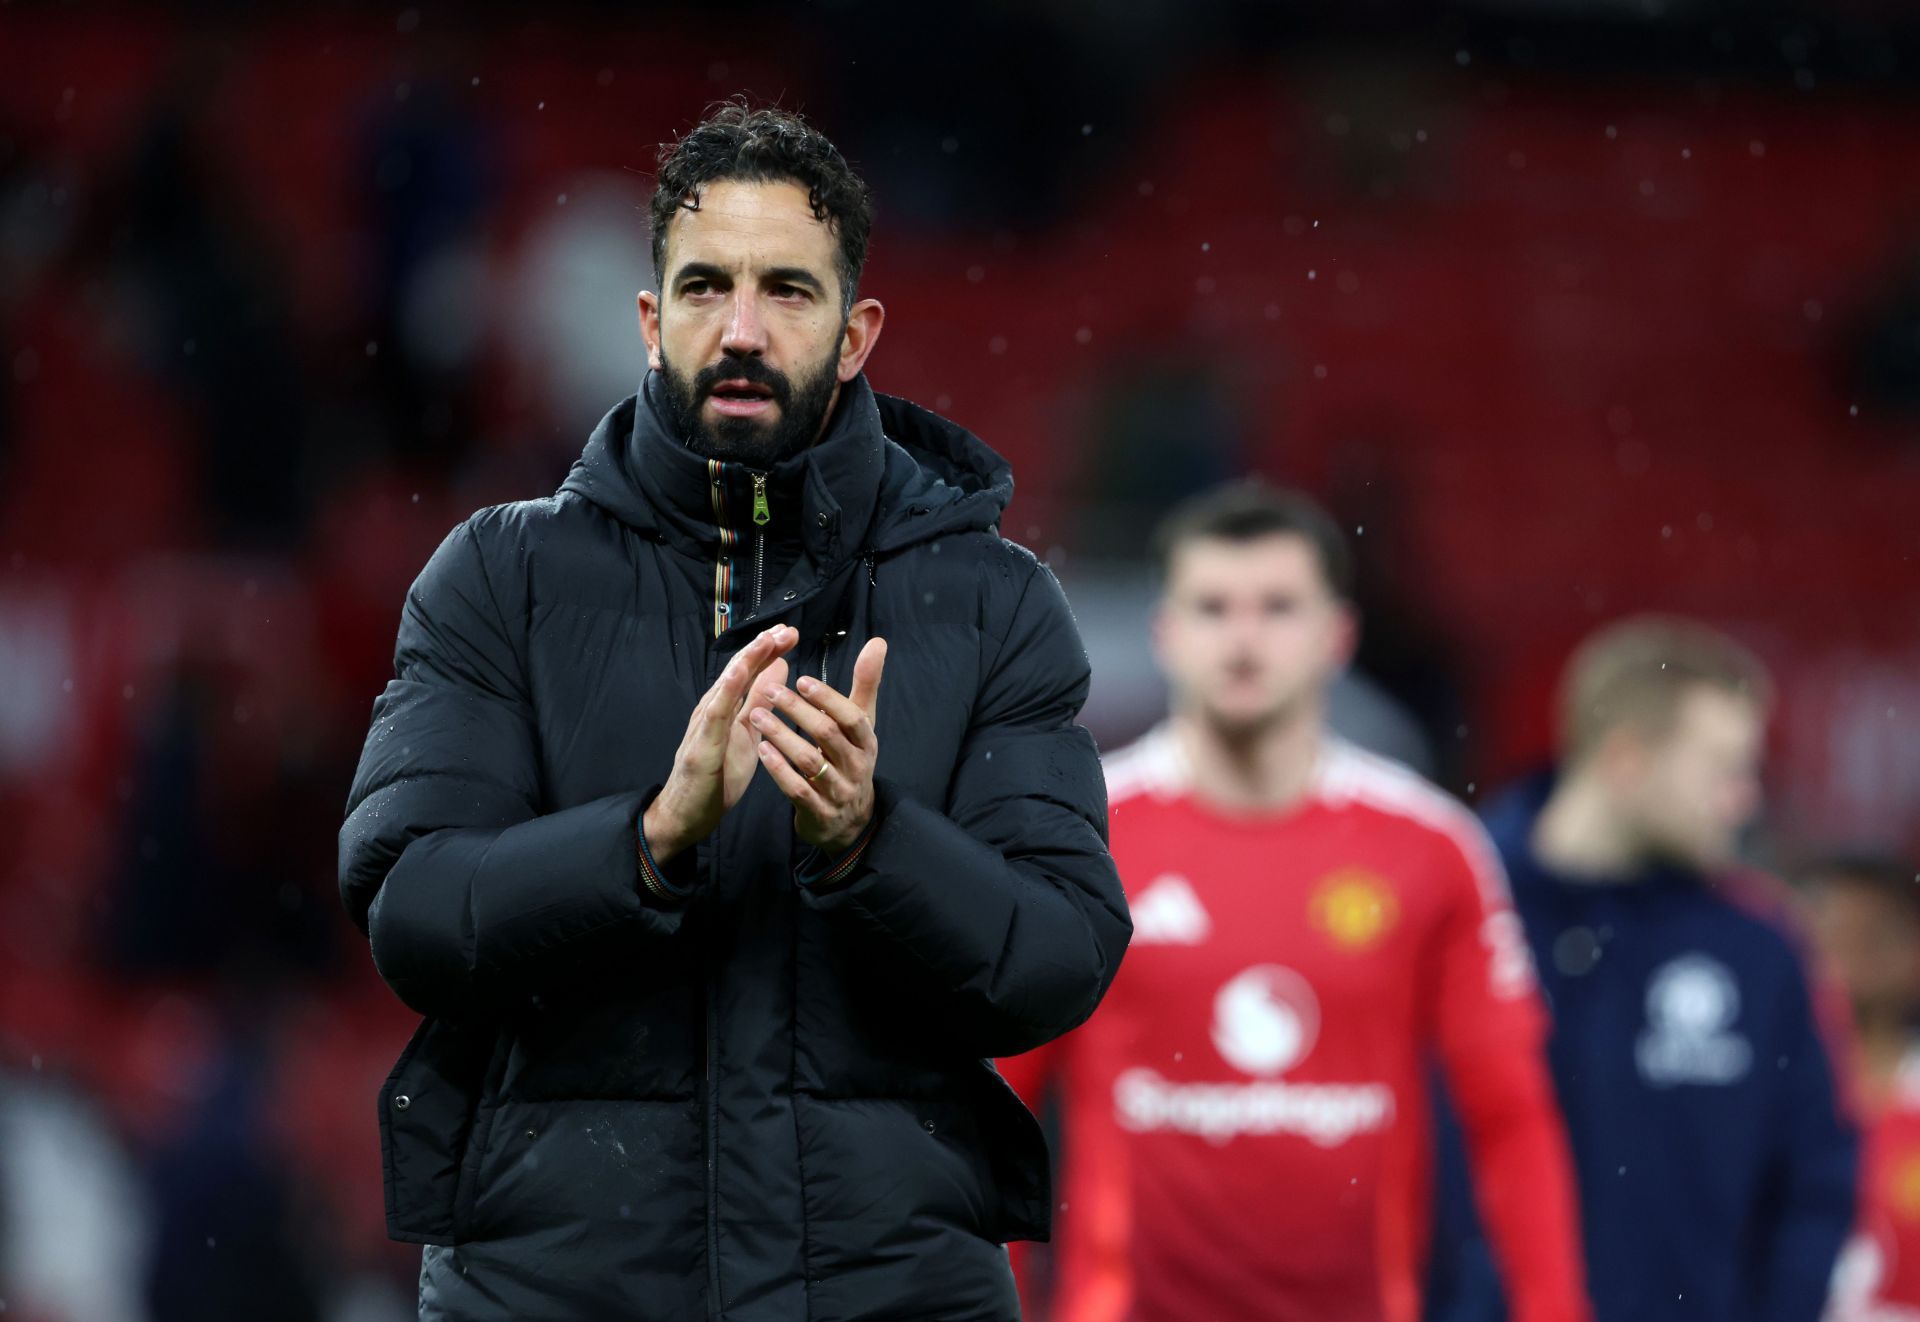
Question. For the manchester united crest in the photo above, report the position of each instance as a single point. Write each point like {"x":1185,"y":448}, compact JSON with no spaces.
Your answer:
{"x":1355,"y":909}
{"x":1904,"y":1188}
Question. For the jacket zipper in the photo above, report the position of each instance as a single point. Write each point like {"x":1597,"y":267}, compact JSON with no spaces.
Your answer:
{"x":723,"y":584}
{"x":722,"y":617}
{"x":761,"y":515}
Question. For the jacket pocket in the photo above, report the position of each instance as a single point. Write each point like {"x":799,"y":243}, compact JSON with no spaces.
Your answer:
{"x":428,"y":1108}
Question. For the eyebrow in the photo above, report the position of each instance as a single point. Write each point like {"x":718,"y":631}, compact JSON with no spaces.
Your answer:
{"x":784,"y":275}
{"x":796,"y":275}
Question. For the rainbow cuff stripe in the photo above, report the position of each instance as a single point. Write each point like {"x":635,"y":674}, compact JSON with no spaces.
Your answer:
{"x":841,"y":870}
{"x":653,"y":877}
{"x":723,"y":576}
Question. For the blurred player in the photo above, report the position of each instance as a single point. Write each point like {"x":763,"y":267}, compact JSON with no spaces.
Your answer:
{"x":1716,"y":1161}
{"x":1245,"y":1117}
{"x":1866,"y":919}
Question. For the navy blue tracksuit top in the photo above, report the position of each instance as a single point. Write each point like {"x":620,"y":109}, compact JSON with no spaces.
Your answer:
{"x":1715,"y":1160}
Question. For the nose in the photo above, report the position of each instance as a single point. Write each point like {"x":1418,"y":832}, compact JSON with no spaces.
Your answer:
{"x":746,"y":333}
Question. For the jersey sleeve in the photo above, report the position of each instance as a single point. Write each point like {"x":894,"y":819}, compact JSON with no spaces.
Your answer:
{"x":1085,"y":1274}
{"x":1489,"y":1030}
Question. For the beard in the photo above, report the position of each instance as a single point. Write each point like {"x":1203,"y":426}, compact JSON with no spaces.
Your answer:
{"x":802,"y":407}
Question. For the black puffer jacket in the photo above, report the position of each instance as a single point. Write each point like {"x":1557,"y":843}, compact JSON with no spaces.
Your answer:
{"x":770,"y":1102}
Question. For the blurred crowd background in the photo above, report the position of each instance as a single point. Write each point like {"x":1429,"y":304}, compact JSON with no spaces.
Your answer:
{"x":1567,"y":309}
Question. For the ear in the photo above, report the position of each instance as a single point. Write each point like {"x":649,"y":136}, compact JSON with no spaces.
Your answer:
{"x":1623,"y":754}
{"x":650,"y":327}
{"x":1346,"y":635}
{"x":864,"y":320}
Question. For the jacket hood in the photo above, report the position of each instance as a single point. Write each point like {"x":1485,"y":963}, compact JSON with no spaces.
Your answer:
{"x":887,"y":474}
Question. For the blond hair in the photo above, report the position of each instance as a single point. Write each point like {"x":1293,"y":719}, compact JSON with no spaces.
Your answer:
{"x":1636,"y":671}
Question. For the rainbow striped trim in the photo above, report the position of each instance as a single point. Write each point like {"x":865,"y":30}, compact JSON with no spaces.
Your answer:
{"x":653,"y":878}
{"x":843,"y":868}
{"x":723,"y":567}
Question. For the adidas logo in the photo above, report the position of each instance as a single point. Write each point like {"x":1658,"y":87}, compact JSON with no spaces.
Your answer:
{"x":1168,"y":913}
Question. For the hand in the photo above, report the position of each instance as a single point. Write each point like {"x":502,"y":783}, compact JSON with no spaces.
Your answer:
{"x":715,"y":758}
{"x":824,"y":764}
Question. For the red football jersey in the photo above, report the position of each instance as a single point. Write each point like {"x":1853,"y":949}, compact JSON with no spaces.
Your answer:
{"x":1246,"y":1116}
{"x":1879,"y":1276}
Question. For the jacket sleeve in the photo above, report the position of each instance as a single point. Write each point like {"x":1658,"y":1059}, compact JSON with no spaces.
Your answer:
{"x":1811,"y":1197}
{"x":1490,"y":1028}
{"x":473,"y":899}
{"x":1005,"y":897}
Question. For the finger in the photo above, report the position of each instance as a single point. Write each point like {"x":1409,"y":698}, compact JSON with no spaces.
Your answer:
{"x":736,"y":677}
{"x":866,"y":676}
{"x":736,"y":680}
{"x":766,"y":645}
{"x":781,"y":639}
{"x":795,"y":747}
{"x":847,"y":718}
{"x":816,"y":724}
{"x":775,"y":677}
{"x":791,"y":782}
{"x":854,"y":717}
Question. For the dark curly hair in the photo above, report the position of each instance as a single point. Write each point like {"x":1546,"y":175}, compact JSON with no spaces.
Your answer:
{"x":737,"y":142}
{"x":1248,"y":510}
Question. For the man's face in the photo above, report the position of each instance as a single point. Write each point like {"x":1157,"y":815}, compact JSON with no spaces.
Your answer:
{"x":1692,"y":790}
{"x":1872,"y":943}
{"x":1249,"y":632}
{"x":748,"y":329}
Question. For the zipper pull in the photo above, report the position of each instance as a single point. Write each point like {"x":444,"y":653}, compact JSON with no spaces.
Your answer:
{"x":760,"y":511}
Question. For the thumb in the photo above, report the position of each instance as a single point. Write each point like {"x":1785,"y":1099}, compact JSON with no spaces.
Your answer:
{"x":866,"y":675}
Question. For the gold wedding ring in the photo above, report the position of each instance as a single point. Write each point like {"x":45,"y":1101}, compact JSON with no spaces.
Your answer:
{"x":821,"y":772}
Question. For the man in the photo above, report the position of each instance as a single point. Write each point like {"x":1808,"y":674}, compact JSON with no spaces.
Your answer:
{"x":1865,"y":916}
{"x":1245,"y":1118}
{"x":711,"y":999}
{"x":1716,"y":1165}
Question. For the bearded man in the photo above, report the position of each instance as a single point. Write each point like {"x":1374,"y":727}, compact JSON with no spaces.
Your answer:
{"x":728,"y":814}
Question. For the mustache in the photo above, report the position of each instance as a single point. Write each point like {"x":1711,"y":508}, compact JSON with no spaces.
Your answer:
{"x":743,"y":369}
